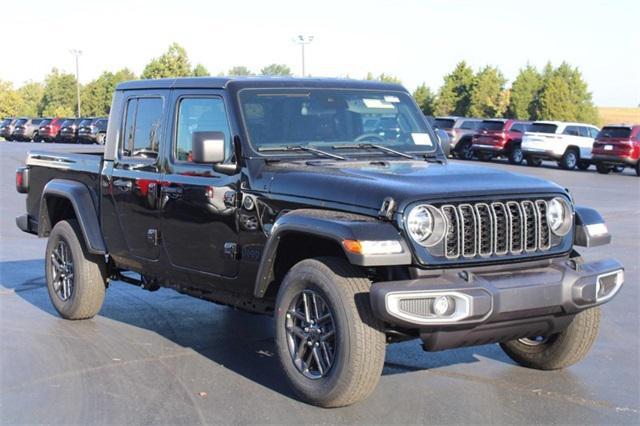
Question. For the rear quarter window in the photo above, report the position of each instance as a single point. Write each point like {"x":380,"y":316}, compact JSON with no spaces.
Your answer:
{"x":443,"y":123}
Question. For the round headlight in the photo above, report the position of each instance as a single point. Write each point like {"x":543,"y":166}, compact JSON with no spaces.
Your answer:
{"x":420,"y":223}
{"x":559,"y":216}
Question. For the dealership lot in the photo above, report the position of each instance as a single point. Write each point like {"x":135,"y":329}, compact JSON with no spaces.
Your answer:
{"x":165,"y":358}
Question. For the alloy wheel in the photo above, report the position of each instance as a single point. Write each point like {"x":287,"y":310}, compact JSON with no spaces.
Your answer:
{"x":62,"y":271}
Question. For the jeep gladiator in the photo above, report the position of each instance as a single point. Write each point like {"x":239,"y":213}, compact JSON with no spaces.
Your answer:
{"x":282,"y":196}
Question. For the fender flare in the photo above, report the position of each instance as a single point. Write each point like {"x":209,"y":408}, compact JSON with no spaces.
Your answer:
{"x":335,"y":226}
{"x":80,"y":198}
{"x":591,"y":230}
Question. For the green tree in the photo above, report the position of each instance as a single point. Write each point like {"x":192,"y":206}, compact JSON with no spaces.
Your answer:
{"x":96,"y":96}
{"x":276,"y":69}
{"x":524,"y":92}
{"x":425,"y":99}
{"x":31,"y":96}
{"x":173,"y":63}
{"x":9,"y":100}
{"x":454,"y":96}
{"x":385,"y":78}
{"x":200,"y":71}
{"x":487,"y":95}
{"x":59,"y":98}
{"x":556,"y":101}
{"x":240,"y":70}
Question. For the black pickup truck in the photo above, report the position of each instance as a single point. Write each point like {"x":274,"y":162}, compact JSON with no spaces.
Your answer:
{"x":282,"y":196}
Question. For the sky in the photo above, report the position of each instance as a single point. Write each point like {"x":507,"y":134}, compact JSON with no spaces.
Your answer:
{"x":417,"y":41}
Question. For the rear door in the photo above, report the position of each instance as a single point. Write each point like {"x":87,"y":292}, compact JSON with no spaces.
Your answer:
{"x":199,"y":229}
{"x":134,"y":180}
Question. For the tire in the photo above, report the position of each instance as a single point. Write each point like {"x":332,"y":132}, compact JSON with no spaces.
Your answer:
{"x":603,"y":169}
{"x":559,"y":350}
{"x":86,"y":293}
{"x":583,"y":165}
{"x":34,"y":137}
{"x":617,"y":169}
{"x":638,"y":168}
{"x":515,"y":155}
{"x":465,"y":151}
{"x":358,"y":337}
{"x":570,"y":159}
{"x":101,"y":138}
{"x":485,"y":156}
{"x":534,"y":162}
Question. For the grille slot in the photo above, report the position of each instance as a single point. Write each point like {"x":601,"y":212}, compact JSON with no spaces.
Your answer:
{"x":496,"y":229}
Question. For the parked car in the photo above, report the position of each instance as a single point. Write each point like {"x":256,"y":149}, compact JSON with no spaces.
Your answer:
{"x":93,"y":130}
{"x":617,"y":146}
{"x":460,"y":131}
{"x":6,"y":128}
{"x":567,"y":143}
{"x":48,"y":131}
{"x":349,"y":239}
{"x":500,"y":138}
{"x":69,"y":130}
{"x":26,"y":129}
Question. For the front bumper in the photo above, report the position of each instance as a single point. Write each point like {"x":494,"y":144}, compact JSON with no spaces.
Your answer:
{"x":537,"y":299}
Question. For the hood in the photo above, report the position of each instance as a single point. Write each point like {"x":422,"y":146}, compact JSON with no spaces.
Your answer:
{"x":367,"y":184}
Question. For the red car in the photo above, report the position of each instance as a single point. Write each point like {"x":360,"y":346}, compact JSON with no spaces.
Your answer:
{"x":617,"y":145}
{"x":499,"y":138}
{"x":48,"y":132}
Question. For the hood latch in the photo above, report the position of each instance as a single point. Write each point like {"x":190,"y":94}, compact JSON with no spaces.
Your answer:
{"x":387,"y":209}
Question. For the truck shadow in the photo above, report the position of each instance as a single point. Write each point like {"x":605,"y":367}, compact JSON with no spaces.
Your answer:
{"x":232,"y":339}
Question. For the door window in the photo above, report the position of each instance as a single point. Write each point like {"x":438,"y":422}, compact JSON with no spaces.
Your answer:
{"x":572,"y":130}
{"x":200,"y":115}
{"x":142,"y":128}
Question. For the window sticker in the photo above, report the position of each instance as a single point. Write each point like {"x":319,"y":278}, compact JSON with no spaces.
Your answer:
{"x":421,"y":139}
{"x":377,"y":103}
{"x":392,"y":99}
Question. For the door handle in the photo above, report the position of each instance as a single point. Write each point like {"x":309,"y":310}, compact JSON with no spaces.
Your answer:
{"x":124,"y":185}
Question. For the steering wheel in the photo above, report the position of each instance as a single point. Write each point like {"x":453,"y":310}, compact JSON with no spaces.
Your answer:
{"x":365,"y":136}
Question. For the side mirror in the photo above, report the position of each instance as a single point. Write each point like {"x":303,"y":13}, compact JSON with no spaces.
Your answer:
{"x":445,"y":142}
{"x":207,"y":147}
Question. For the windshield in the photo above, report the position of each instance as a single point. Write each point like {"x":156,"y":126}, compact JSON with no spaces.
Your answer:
{"x":492,"y":125}
{"x":542,"y":128}
{"x":326,"y":118}
{"x":615,"y":132}
{"x":44,"y":122}
{"x":5,"y":122}
{"x":85,"y":123}
{"x":443,"y":123}
{"x":21,"y":122}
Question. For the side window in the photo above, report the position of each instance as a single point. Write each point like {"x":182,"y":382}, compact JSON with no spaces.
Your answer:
{"x":593,"y":132}
{"x":469,"y":125}
{"x":584,"y":131}
{"x":200,"y":115}
{"x":571,"y":130}
{"x":518,"y":128}
{"x":142,"y":128}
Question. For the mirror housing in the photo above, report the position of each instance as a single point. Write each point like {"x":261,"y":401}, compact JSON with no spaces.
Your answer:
{"x":207,"y":147}
{"x":445,"y":141}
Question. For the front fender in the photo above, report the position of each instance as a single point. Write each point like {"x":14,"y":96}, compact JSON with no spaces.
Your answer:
{"x":335,"y":226}
{"x":591,"y":230}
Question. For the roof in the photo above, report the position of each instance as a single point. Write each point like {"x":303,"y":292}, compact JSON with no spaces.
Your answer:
{"x":262,"y":81}
{"x":564,"y":123}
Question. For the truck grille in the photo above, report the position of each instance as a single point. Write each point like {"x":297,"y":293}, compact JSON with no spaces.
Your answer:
{"x":499,"y":228}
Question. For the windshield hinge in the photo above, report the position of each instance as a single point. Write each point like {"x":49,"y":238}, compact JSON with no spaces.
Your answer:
{"x":387,"y":208}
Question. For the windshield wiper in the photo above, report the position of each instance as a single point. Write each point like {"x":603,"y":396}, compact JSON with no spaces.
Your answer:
{"x":304,"y":148}
{"x":374,"y":146}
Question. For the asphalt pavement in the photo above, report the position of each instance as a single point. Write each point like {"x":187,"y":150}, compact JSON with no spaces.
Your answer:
{"x":165,"y":358}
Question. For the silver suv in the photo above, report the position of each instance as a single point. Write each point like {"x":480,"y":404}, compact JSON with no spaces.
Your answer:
{"x":460,"y":130}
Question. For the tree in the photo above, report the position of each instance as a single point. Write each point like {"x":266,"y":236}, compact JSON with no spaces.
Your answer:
{"x":487,"y":97}
{"x":425,"y":99}
{"x":455,"y":94}
{"x":173,"y":63}
{"x":96,"y":96}
{"x":240,"y":70}
{"x":524,"y":92}
{"x":385,"y":78}
{"x":9,"y":100}
{"x":556,"y":102}
{"x":200,"y":71}
{"x":59,"y":98}
{"x":276,"y":69}
{"x":31,"y":96}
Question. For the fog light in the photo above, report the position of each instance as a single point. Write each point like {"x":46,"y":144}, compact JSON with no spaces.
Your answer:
{"x":444,"y":306}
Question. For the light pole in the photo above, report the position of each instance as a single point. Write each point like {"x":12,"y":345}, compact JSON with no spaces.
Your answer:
{"x":303,"y":40}
{"x":77,"y":53}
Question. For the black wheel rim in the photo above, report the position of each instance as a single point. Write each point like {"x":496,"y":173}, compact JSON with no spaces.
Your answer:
{"x":62,"y":271}
{"x":311,"y":334}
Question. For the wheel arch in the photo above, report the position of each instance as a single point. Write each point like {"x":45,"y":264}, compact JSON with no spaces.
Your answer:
{"x":64,"y":199}
{"x":307,"y":233}
{"x":575,"y":148}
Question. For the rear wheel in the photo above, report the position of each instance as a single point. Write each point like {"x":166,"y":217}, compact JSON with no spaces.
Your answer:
{"x":603,"y":169}
{"x":101,"y":138}
{"x":515,"y":155}
{"x":485,"y":156}
{"x":330,"y":345}
{"x":569,"y":160}
{"x":465,"y":150}
{"x":559,"y":350}
{"x":75,"y":277}
{"x":583,"y":165}
{"x":534,"y":161}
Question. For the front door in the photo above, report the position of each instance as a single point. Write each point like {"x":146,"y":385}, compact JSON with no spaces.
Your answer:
{"x":199,"y":229}
{"x":135,"y":177}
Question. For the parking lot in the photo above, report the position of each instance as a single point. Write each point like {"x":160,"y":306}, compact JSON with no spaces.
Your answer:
{"x":164,"y":358}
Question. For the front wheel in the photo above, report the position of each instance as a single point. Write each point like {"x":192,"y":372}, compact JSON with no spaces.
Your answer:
{"x":75,"y":277}
{"x":515,"y":155}
{"x":465,"y":150}
{"x":559,"y":350}
{"x":569,"y":160}
{"x":330,"y":345}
